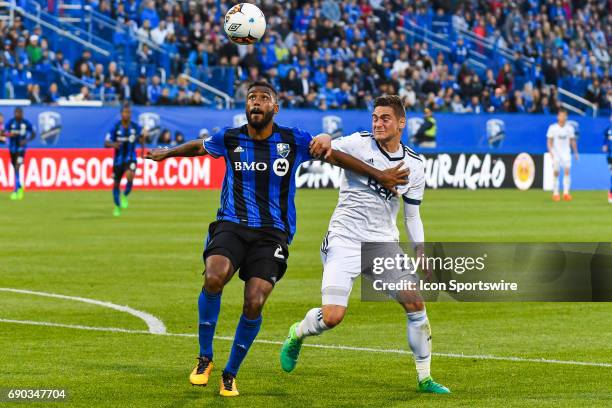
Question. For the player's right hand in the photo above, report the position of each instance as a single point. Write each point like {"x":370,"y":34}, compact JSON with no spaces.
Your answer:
{"x":157,"y":154}
{"x":393,"y":177}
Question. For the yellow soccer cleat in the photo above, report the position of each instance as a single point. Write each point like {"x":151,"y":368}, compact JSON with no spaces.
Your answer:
{"x":201,"y":373}
{"x":228,"y":385}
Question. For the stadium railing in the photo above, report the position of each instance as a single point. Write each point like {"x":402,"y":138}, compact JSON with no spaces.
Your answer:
{"x":584,"y":106}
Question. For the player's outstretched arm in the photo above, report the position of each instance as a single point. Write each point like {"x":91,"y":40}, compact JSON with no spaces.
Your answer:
{"x":389,"y":178}
{"x":189,"y":149}
{"x":320,"y":147}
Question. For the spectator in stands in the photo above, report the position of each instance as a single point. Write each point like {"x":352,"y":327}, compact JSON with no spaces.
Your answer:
{"x":198,"y":61}
{"x":196,"y":98}
{"x":34,"y":51}
{"x":144,"y":56}
{"x":123,"y":90}
{"x":149,"y":13}
{"x":139,"y":91}
{"x":53,"y":95}
{"x":164,"y":98}
{"x":179,"y":138}
{"x":159,"y":34}
{"x":165,"y":138}
{"x":21,"y":55}
{"x":154,"y":90}
{"x":84,"y":60}
{"x":34,"y":94}
{"x":83,"y":95}
{"x":8,"y":58}
{"x":183,"y":98}
{"x":426,"y":134}
{"x":108,"y":92}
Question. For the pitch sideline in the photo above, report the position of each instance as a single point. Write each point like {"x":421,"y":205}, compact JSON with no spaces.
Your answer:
{"x":322,"y":346}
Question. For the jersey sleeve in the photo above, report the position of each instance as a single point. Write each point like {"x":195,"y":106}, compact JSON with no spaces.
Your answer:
{"x":572,"y":132}
{"x":215,"y":144}
{"x":8,"y":124}
{"x":29,"y":126}
{"x":351,"y":144}
{"x":111,"y":135}
{"x":416,"y":188}
{"x":302,"y":142}
{"x":550,"y":133}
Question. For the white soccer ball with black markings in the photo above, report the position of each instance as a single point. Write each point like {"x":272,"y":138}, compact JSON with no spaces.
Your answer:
{"x":245,"y":23}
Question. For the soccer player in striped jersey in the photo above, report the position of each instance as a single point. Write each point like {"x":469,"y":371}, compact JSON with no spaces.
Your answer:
{"x":367,"y":212}
{"x":19,"y":132}
{"x":123,"y":137}
{"x":256,"y":220}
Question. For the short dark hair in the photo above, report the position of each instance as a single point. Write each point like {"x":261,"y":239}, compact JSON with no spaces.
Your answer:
{"x":263,"y":84}
{"x":562,"y":110}
{"x":394,"y":102}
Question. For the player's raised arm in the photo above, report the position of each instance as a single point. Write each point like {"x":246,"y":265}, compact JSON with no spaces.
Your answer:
{"x":320,"y":147}
{"x":189,"y":149}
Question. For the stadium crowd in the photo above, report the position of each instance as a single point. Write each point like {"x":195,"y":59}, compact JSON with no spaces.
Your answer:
{"x":327,"y":55}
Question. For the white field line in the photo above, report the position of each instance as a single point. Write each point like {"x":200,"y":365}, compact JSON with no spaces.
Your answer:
{"x":321,"y":346}
{"x":155,"y":325}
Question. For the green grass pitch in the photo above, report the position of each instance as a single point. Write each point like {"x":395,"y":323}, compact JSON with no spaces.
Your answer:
{"x":150,"y":259}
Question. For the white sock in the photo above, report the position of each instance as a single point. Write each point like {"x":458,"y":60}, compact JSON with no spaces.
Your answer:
{"x":312,"y":325}
{"x":419,"y":339}
{"x":556,"y":186}
{"x":567,"y":181}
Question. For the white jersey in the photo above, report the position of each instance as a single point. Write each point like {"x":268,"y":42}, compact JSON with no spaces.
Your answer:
{"x":561,"y":136}
{"x":366,"y":211}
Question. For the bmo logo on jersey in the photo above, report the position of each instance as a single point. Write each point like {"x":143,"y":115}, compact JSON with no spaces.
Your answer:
{"x":253,"y":166}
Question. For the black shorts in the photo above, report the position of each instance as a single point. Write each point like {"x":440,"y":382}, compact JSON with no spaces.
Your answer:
{"x":254,"y":252}
{"x":17,"y":158}
{"x":120,"y":169}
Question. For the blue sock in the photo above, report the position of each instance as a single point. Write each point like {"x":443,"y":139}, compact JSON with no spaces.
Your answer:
{"x":209,"y":305}
{"x":116,"y":192}
{"x":128,"y":188}
{"x":17,"y":182}
{"x":245,"y":335}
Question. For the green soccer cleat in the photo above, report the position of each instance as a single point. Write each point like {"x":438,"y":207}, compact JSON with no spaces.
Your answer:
{"x":116,"y":211}
{"x":124,"y":201}
{"x":290,"y":351}
{"x":20,"y":194}
{"x":13,"y":196}
{"x":430,"y":386}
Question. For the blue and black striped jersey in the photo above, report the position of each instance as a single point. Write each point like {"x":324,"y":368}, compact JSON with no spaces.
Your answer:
{"x":23,"y":128}
{"x":128,"y":137}
{"x":259,"y":185}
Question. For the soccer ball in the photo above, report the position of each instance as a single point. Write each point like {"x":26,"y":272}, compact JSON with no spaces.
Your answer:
{"x":245,"y":24}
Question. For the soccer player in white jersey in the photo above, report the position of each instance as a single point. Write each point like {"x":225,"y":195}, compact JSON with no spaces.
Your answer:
{"x":560,"y":136}
{"x":367,"y":212}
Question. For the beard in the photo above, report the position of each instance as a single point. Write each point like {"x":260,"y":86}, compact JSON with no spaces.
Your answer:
{"x":263,"y":122}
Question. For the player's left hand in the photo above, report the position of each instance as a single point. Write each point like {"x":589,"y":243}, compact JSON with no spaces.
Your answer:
{"x":576,"y":156}
{"x":393,"y":177}
{"x":23,"y":143}
{"x":320,"y":146}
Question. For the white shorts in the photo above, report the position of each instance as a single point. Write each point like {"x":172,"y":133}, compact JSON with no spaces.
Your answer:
{"x":561,"y":161}
{"x":341,"y":258}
